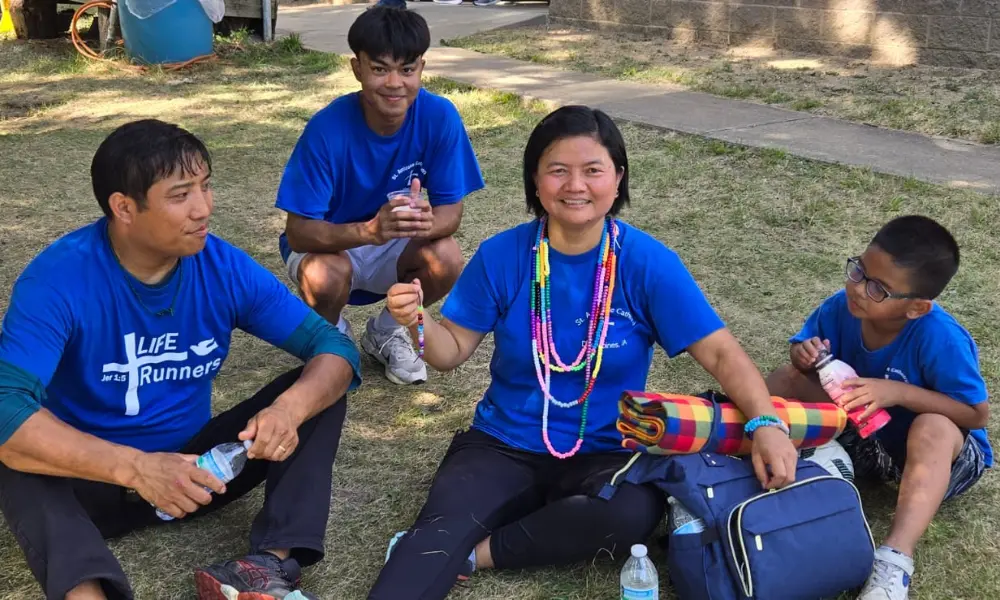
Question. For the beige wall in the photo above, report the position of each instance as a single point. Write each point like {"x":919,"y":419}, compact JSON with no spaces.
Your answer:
{"x":941,"y":32}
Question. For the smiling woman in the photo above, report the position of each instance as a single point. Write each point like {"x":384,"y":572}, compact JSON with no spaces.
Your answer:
{"x":590,"y":296}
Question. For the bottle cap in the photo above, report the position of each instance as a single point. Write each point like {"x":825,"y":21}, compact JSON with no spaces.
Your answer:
{"x":823,"y":357}
{"x":247,"y":444}
{"x":639,"y":550}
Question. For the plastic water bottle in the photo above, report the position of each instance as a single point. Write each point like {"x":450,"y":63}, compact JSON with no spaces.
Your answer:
{"x":225,"y":461}
{"x":683,"y":521}
{"x":639,"y":580}
{"x":832,"y":374}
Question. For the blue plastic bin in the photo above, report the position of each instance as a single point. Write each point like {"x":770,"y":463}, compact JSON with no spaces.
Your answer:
{"x":180,"y":32}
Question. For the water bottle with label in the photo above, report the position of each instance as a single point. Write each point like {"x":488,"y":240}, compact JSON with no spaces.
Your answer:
{"x":683,"y":521}
{"x":639,"y":580}
{"x":225,"y":461}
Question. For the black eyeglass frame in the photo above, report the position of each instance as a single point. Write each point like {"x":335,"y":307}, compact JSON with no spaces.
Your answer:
{"x":854,"y":265}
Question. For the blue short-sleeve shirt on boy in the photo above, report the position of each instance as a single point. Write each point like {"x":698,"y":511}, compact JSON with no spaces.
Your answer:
{"x":342,"y":172}
{"x":111,"y":367}
{"x":933,"y":352}
{"x":655,"y":301}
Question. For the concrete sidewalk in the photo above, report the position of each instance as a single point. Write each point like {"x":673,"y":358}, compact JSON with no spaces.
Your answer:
{"x":324,"y":27}
{"x":936,"y":160}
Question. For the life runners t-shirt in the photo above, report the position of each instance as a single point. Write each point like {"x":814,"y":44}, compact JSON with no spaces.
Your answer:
{"x":655,"y":301}
{"x":86,"y":328}
{"x":933,"y":352}
{"x":342,"y":172}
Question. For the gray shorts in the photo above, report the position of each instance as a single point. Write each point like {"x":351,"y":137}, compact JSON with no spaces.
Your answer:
{"x":373,"y":267}
{"x":872,"y":459}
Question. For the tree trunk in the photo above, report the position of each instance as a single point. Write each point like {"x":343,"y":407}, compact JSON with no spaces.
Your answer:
{"x":34,"y":19}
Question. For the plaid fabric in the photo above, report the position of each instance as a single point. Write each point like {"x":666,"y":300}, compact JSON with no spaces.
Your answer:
{"x":677,"y":424}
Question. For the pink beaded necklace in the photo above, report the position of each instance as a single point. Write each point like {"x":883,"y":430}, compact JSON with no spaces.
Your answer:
{"x":543,"y":348}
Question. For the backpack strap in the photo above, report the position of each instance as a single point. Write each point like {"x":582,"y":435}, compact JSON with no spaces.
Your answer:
{"x":609,"y":489}
{"x":627,"y":473}
{"x":710,"y":395}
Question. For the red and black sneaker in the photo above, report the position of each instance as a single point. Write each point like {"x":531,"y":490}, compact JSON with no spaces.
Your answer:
{"x":256,"y":577}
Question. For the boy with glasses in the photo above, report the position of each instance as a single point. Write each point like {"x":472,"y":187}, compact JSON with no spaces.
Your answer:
{"x":914,"y":360}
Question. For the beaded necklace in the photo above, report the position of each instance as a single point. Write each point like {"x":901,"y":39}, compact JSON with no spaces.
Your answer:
{"x":543,"y":348}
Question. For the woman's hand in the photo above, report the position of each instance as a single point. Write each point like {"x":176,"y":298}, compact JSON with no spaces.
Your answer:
{"x":403,"y":300}
{"x":774,"y":457}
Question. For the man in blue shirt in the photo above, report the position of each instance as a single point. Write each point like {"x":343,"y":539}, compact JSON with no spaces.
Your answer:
{"x":108,"y":350}
{"x":916,"y":361}
{"x":357,"y":222}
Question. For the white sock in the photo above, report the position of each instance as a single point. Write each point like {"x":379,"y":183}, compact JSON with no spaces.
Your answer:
{"x":343,"y":325}
{"x":472,"y":558}
{"x":384,"y":323}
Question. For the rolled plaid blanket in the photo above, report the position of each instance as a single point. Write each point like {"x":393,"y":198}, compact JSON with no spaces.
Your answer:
{"x":658,"y":423}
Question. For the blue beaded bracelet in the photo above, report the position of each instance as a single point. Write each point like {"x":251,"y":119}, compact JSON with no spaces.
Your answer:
{"x":764,"y":421}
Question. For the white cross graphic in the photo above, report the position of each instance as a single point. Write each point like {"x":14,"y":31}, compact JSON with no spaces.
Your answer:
{"x":131,"y":367}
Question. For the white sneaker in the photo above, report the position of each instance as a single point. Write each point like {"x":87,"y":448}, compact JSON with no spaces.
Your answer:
{"x":394,"y":350}
{"x":890,"y":578}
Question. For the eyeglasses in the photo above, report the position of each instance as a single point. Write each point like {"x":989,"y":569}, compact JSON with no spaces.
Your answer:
{"x":874,"y":289}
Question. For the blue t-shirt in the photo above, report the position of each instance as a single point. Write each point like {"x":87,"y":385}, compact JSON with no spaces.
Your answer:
{"x":113,"y":369}
{"x":655,"y":301}
{"x":933,"y":352}
{"x":342,"y":172}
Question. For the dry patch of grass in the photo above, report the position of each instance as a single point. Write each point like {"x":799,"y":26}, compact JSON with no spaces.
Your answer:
{"x":956,"y":103}
{"x":765,"y":234}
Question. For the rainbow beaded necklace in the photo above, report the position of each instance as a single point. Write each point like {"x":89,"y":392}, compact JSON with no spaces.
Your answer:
{"x":543,"y":348}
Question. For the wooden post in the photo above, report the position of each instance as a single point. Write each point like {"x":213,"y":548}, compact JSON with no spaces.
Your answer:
{"x":35,"y":19}
{"x":247,"y":13}
{"x":108,"y":27}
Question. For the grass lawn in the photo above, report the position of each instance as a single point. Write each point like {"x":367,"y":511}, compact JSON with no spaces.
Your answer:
{"x":765,"y":233}
{"x":956,"y":103}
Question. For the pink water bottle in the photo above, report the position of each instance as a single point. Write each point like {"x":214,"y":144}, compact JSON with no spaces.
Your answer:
{"x":832,"y":374}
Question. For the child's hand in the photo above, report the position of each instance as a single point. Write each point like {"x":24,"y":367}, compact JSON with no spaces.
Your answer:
{"x":804,"y":355}
{"x":402,"y":300}
{"x":872,"y":394}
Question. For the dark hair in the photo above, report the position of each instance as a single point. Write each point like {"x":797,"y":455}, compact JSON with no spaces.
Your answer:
{"x":138,"y":154}
{"x":567,"y":122}
{"x":383,"y":31}
{"x":924,"y":248}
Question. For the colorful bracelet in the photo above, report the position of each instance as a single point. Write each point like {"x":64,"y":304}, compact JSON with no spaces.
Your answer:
{"x":420,"y":331}
{"x":764,"y":421}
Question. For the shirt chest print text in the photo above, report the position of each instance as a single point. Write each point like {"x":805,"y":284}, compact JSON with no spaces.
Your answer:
{"x":897,"y":374}
{"x":621,"y":314}
{"x":409,"y":169}
{"x":402,"y":186}
{"x":142,"y":360}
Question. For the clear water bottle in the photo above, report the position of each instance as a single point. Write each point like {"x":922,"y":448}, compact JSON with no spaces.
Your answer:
{"x":225,"y":461}
{"x":683,"y":521}
{"x":639,"y":580}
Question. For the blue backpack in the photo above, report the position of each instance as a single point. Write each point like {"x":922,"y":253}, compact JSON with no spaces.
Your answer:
{"x":807,"y":541}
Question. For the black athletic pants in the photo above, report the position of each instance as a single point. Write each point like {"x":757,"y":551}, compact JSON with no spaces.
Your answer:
{"x":61,"y":524}
{"x":537,"y":510}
